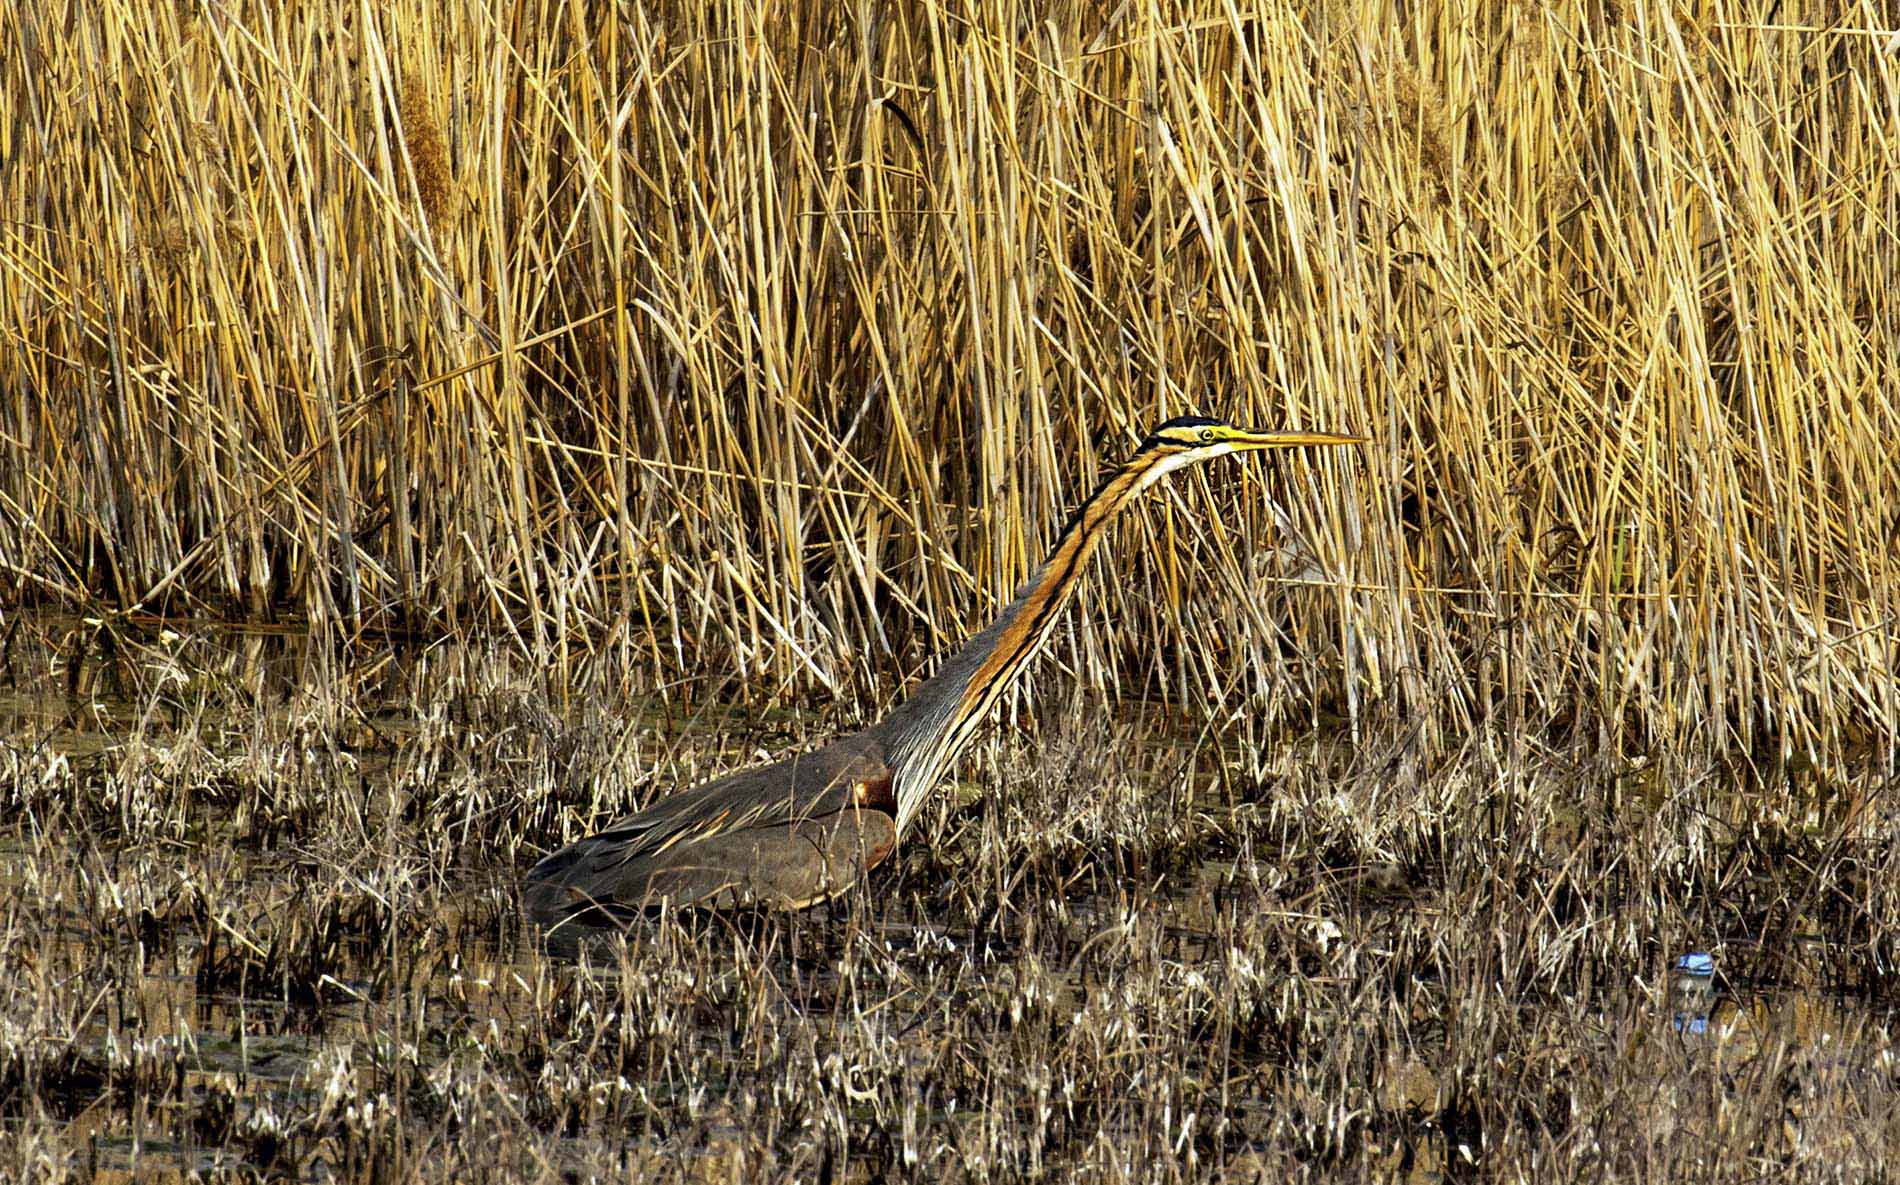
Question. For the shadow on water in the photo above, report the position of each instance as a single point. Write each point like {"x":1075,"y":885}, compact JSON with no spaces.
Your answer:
{"x":252,"y":923}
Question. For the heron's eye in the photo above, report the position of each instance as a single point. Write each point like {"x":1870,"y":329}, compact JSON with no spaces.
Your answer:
{"x":1207,"y":436}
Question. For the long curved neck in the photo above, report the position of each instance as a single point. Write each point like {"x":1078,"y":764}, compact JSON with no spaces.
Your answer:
{"x":925,"y":733}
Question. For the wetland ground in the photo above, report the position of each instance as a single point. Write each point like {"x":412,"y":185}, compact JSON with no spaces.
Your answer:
{"x":252,"y":928}
{"x":576,"y":398}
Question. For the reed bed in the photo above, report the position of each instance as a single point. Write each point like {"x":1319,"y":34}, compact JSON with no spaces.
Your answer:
{"x":429,"y":430}
{"x":761,"y":351}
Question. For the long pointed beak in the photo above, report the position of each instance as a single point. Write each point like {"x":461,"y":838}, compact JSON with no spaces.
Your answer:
{"x":1243,"y":439}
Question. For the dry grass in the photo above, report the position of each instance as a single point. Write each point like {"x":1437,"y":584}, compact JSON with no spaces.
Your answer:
{"x":241,"y":935}
{"x":769,"y":348}
{"x":579,"y":385}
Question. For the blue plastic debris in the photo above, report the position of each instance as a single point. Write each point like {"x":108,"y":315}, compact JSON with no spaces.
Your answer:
{"x":1693,"y":992}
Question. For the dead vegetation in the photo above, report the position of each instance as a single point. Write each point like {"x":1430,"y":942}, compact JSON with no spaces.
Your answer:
{"x":1118,"y":959}
{"x":769,"y":348}
{"x":431,"y":429}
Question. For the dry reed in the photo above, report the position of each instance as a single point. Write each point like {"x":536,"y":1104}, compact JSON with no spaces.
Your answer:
{"x":576,"y":385}
{"x":770,"y":347}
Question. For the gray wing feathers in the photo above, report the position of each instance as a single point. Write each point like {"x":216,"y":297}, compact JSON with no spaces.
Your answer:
{"x":790,"y":790}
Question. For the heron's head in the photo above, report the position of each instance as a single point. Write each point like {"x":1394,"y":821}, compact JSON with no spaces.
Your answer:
{"x":1185,"y":440}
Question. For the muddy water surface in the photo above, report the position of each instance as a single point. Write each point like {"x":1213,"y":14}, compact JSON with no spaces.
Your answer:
{"x":258,"y":918}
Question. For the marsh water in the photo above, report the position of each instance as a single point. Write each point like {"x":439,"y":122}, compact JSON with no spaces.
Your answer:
{"x":257,"y":914}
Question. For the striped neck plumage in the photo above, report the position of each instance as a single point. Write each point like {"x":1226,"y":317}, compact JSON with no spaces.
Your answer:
{"x":924,"y":735}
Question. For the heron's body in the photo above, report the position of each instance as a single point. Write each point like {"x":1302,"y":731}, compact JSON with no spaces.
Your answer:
{"x":808,"y":827}
{"x":789,"y":834}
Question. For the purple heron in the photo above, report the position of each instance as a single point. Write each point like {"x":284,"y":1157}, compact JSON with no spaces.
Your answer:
{"x":806,"y":828}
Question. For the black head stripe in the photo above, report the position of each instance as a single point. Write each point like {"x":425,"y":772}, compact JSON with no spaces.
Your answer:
{"x":1179,"y":424}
